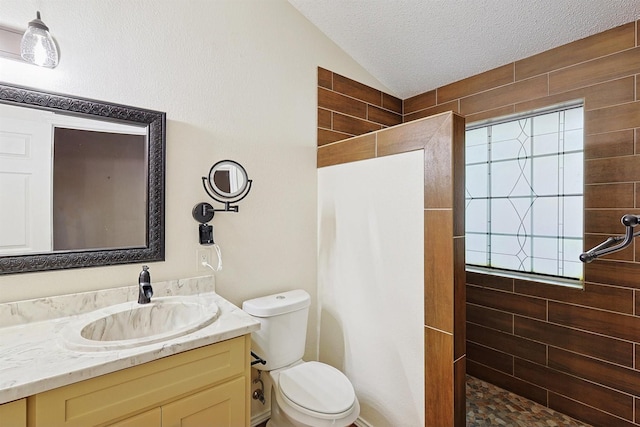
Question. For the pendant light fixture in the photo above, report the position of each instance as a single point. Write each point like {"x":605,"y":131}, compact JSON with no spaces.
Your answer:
{"x":37,"y":46}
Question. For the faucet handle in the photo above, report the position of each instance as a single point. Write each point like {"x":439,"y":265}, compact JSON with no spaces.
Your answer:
{"x":145,"y":276}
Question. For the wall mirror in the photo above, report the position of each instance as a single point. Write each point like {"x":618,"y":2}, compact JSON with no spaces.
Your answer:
{"x":227,"y":183}
{"x":228,"y":179}
{"x":81,"y":182}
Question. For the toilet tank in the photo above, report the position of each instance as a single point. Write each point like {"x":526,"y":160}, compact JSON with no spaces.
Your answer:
{"x":283,"y":327}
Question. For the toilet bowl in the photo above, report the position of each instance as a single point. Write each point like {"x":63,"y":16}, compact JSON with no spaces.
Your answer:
{"x":312,"y":394}
{"x":303,"y":394}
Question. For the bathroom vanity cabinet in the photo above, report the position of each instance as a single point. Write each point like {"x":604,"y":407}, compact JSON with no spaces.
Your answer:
{"x":205,"y":386}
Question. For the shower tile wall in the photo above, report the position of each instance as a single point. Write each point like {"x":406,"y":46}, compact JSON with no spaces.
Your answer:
{"x":347,"y":108}
{"x":570,"y":349}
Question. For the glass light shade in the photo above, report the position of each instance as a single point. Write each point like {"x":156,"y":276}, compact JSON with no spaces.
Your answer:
{"x":37,"y":46}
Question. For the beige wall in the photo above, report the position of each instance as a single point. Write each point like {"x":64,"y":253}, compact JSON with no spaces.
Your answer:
{"x":238,"y":80}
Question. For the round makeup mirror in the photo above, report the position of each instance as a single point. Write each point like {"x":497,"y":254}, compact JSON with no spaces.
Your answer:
{"x":228,"y":179}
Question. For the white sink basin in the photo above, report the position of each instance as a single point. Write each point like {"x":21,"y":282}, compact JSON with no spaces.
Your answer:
{"x":131,"y":324}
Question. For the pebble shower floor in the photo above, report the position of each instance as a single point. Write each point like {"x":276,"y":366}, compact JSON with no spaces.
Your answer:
{"x":488,"y":405}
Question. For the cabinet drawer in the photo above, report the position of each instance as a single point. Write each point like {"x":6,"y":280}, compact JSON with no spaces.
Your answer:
{"x":113,"y":396}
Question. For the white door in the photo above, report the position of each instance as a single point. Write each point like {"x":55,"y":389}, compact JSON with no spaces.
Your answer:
{"x":25,"y":180}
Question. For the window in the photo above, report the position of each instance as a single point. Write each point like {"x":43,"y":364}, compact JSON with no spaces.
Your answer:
{"x":524,"y":194}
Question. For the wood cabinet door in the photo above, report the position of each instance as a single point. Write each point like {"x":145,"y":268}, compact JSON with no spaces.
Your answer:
{"x":152,"y":418}
{"x":14,"y":414}
{"x":220,"y":406}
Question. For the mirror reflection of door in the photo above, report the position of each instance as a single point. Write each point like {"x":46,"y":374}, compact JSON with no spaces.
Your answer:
{"x":25,"y":190}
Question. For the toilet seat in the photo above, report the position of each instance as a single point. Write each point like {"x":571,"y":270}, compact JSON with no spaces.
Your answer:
{"x":317,"y":389}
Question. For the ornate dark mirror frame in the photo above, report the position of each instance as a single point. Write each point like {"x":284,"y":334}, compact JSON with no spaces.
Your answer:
{"x":156,"y":125}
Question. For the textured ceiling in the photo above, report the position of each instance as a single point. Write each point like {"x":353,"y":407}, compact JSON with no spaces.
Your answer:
{"x":412,"y":46}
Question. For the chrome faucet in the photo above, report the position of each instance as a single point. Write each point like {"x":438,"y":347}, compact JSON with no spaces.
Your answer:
{"x":145,"y":291}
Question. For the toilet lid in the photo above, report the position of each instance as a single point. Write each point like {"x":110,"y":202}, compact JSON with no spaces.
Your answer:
{"x":317,"y":387}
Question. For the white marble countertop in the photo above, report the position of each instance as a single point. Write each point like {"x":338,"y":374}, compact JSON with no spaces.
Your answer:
{"x":34,"y":358}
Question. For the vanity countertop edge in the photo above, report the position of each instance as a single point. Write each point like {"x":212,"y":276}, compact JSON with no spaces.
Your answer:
{"x":34,"y":358}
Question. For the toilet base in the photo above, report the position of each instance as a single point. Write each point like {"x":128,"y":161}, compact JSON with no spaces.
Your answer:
{"x":278,"y":419}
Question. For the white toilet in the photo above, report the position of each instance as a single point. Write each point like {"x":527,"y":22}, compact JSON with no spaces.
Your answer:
{"x":308,"y":394}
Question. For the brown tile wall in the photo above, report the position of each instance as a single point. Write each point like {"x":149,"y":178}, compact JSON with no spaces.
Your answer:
{"x":570,"y":349}
{"x":347,"y":108}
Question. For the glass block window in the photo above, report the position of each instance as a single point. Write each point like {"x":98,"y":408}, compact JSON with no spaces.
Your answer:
{"x":524,"y":189}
